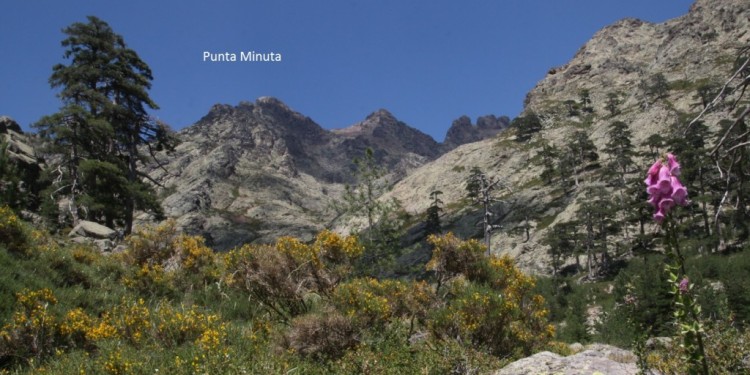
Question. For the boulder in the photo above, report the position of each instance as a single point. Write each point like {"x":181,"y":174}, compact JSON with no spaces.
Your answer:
{"x":602,"y":359}
{"x":92,"y":230}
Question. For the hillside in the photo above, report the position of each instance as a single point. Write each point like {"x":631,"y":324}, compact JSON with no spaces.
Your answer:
{"x":691,"y":51}
{"x":257,"y":171}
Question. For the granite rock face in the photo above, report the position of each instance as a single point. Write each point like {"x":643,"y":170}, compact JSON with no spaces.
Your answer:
{"x":595,"y":359}
{"x":620,"y":60}
{"x":19,"y":145}
{"x":462,"y":131}
{"x":257,"y":171}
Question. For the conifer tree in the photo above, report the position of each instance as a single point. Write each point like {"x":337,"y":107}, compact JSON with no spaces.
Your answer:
{"x":585,"y":98}
{"x":613,"y":104}
{"x":432,"y":225}
{"x":526,"y":126}
{"x":583,"y":151}
{"x":472,"y":183}
{"x":549,"y":154}
{"x":102,"y":126}
{"x":384,"y":222}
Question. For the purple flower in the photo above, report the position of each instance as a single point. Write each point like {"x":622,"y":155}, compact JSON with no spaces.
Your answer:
{"x":664,"y":188}
{"x":673,"y":165}
{"x":684,"y":285}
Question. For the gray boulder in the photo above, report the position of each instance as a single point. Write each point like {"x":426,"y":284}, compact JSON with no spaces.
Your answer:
{"x":601,"y":359}
{"x":92,"y":230}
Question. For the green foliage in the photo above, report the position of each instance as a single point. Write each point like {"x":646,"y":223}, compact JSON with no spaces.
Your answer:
{"x":656,"y":86}
{"x":473,"y":184}
{"x":526,"y":126}
{"x":613,"y":104}
{"x":585,"y":101}
{"x":549,"y":154}
{"x":432,"y":223}
{"x":492,"y":303}
{"x":103,"y":124}
{"x":12,"y":231}
{"x":384,"y":219}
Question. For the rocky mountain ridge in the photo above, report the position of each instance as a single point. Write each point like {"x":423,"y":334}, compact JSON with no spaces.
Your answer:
{"x":257,"y":171}
{"x":621,"y":60}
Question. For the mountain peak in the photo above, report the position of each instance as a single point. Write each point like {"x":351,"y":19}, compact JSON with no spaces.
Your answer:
{"x":462,"y":131}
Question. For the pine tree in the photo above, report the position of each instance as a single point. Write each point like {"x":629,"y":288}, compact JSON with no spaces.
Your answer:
{"x":102,"y":125}
{"x":384,"y":219}
{"x":585,"y":98}
{"x":549,"y":154}
{"x":526,"y":126}
{"x":11,"y":192}
{"x":472,"y":183}
{"x":613,"y":104}
{"x":432,"y":224}
{"x":583,"y":151}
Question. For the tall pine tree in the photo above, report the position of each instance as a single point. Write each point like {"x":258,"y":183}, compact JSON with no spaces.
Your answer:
{"x":102,"y":127}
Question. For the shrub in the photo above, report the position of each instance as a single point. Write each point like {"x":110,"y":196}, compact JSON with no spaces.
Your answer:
{"x":31,"y":332}
{"x":374,"y":303}
{"x":283,"y":276}
{"x":489,"y":301}
{"x":323,"y":336}
{"x":12,"y":232}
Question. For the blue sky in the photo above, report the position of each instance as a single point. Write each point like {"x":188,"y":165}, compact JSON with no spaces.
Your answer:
{"x":428,"y":62}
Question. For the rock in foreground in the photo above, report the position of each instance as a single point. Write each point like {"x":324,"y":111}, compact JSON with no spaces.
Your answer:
{"x":596,"y":359}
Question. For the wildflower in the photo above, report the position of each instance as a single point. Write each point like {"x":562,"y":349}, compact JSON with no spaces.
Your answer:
{"x":664,"y":188}
{"x":684,"y":285}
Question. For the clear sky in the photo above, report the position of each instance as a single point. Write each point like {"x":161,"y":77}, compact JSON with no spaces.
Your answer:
{"x":426,"y":61}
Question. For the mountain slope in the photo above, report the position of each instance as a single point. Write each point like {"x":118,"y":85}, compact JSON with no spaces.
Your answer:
{"x":257,"y":171}
{"x":696,"y":49}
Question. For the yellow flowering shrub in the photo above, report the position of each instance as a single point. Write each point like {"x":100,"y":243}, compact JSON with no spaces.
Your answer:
{"x":31,"y":330}
{"x":175,"y":326}
{"x":12,"y":232}
{"x":281,"y":276}
{"x":166,"y":260}
{"x":132,"y":319}
{"x":373,"y":302}
{"x":196,"y":257}
{"x":151,"y":245}
{"x":489,"y":300}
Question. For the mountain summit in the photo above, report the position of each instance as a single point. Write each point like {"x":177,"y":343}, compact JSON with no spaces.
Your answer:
{"x":260,"y":170}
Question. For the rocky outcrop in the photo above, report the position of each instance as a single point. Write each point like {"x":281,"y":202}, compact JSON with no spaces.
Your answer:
{"x":19,"y":148}
{"x":695,"y":49}
{"x":257,"y":171}
{"x":91,"y":229}
{"x":462,"y":131}
{"x":595,"y":359}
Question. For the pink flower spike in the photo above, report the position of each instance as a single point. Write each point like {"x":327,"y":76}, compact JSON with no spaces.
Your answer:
{"x":654,"y":201}
{"x":654,"y":170}
{"x":679,"y":192}
{"x":659,"y":216}
{"x":665,"y":180}
{"x":673,"y":165}
{"x":666,"y":204}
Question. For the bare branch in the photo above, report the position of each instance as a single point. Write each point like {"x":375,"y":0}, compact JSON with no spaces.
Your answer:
{"x":716,"y":100}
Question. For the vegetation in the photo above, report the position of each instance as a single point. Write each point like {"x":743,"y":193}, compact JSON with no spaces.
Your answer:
{"x":100,"y":130}
{"x":167,"y":302}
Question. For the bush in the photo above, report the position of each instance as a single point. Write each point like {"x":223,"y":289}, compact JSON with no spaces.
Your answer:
{"x":324,"y":336}
{"x":283,"y":276}
{"x":31,"y":332}
{"x":492,"y":303}
{"x":374,"y":303}
{"x":12,"y":232}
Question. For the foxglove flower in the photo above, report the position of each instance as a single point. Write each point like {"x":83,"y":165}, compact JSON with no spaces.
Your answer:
{"x":664,"y":188}
{"x":684,"y":286}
